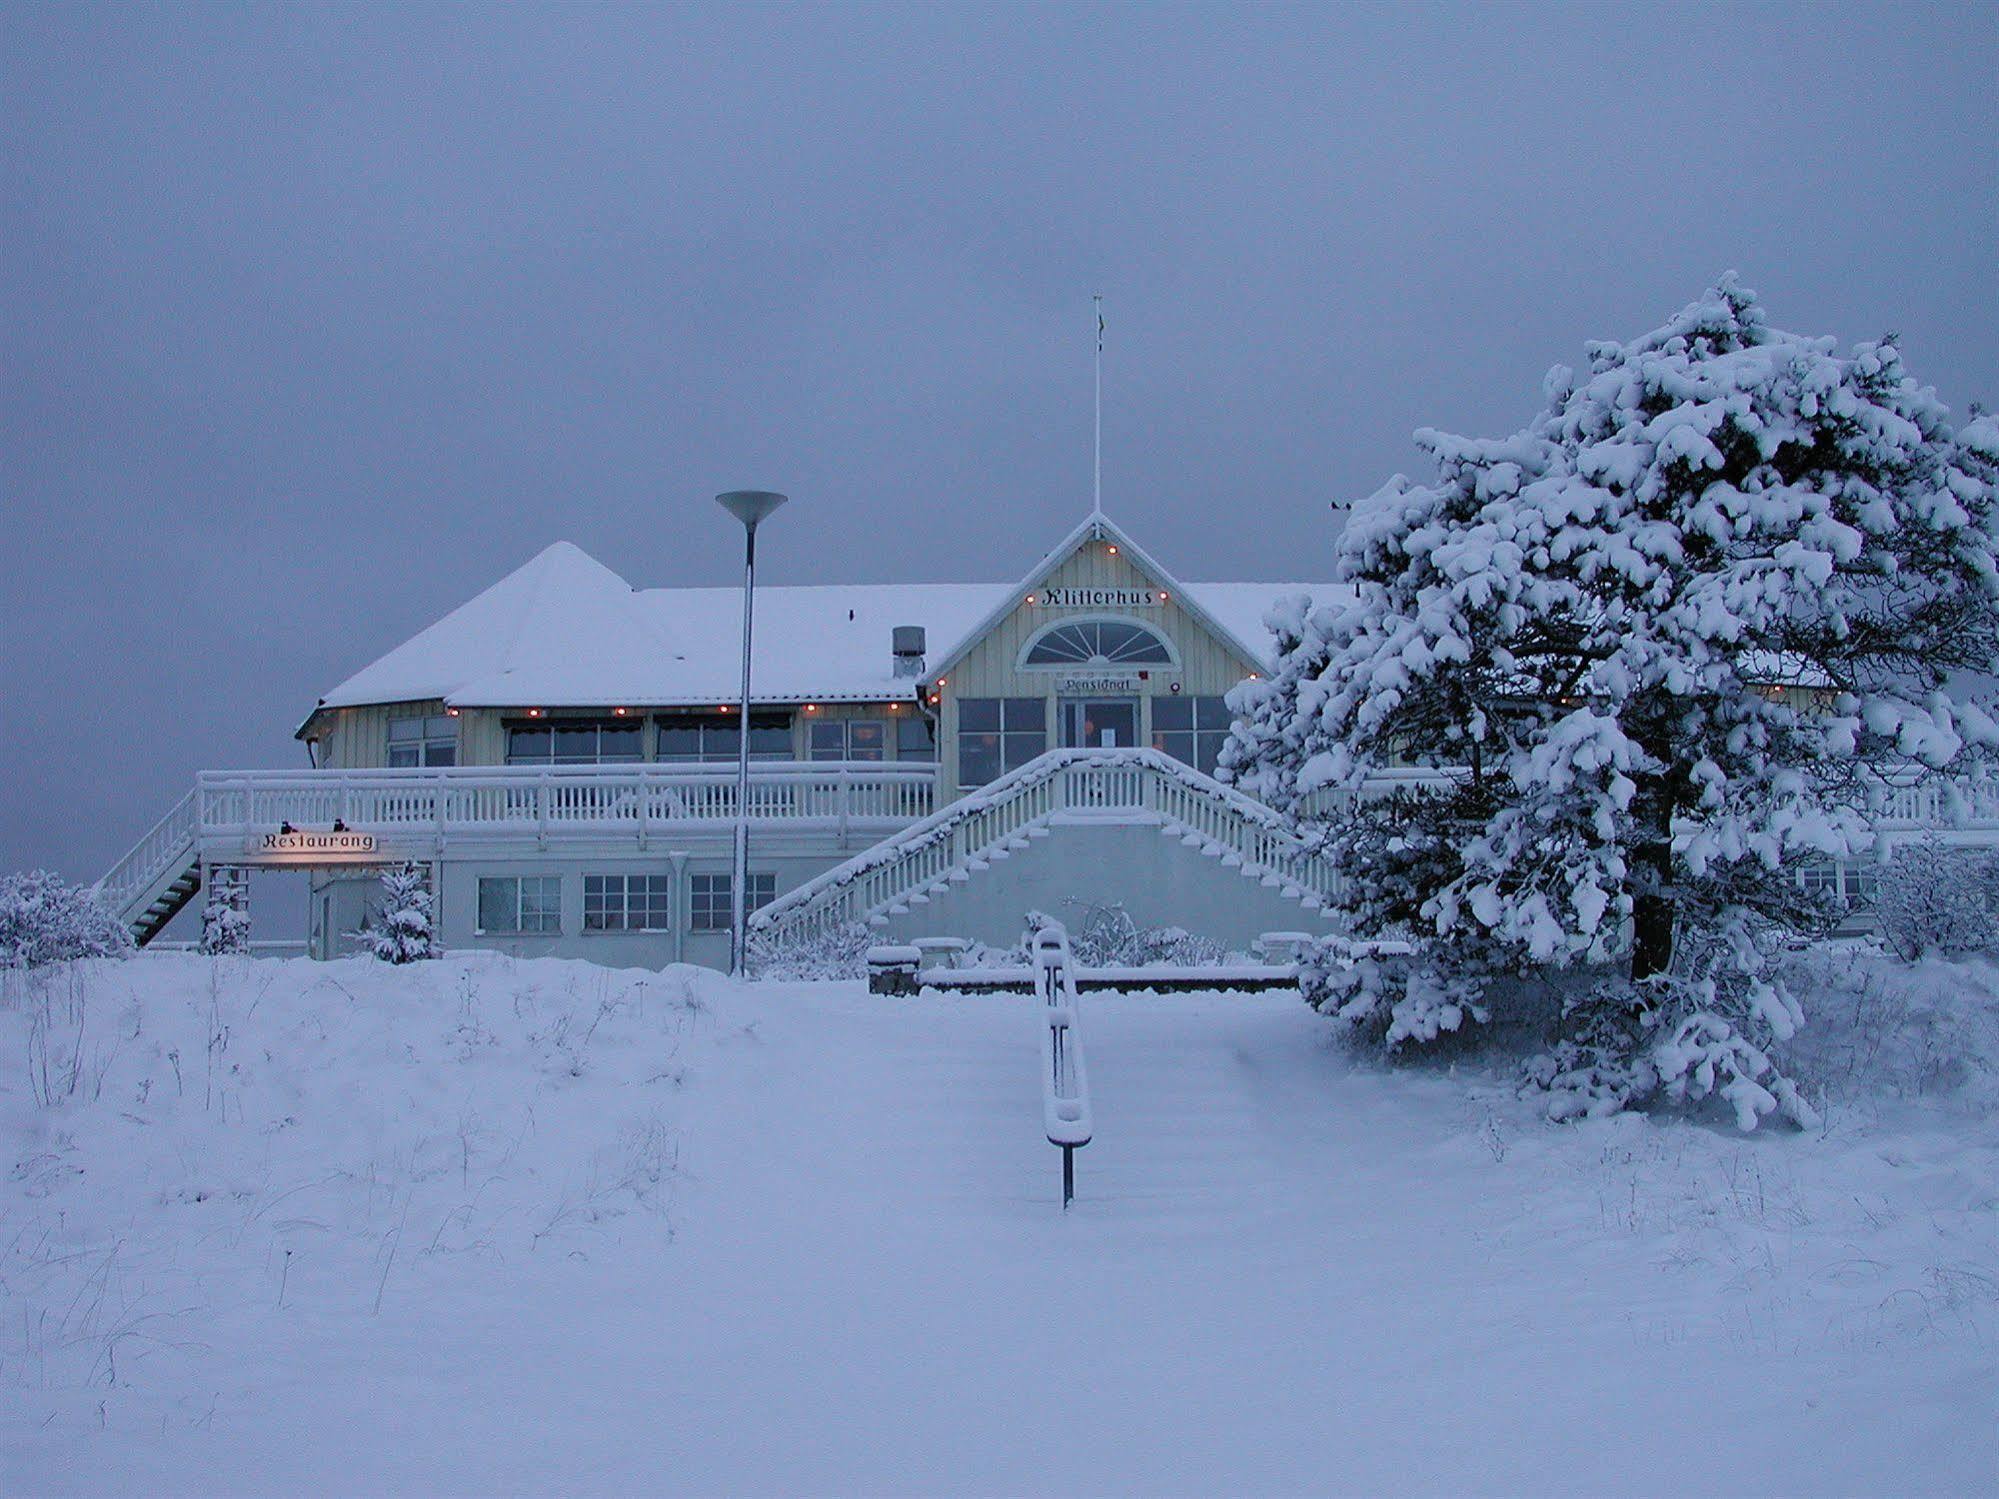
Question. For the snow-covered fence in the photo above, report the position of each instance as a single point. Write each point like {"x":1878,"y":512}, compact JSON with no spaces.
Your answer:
{"x":1065,"y":1080}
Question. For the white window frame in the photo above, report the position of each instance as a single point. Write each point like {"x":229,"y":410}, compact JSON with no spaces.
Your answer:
{"x":520,"y":882}
{"x":706,"y":890}
{"x":434,"y":732}
{"x":1171,"y":663}
{"x":813,"y":724}
{"x":615,"y":895}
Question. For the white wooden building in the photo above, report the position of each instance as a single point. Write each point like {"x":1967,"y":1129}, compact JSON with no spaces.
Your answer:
{"x":929,"y":759}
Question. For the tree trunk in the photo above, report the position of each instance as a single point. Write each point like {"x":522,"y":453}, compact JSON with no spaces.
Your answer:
{"x":1651,"y":908}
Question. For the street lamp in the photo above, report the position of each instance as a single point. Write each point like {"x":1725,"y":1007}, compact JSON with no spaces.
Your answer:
{"x":749,"y":506}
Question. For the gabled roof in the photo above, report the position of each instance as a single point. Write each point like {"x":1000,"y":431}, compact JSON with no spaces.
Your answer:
{"x":564,"y":631}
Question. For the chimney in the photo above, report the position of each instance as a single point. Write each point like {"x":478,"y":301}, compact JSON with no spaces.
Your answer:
{"x":907,"y":644}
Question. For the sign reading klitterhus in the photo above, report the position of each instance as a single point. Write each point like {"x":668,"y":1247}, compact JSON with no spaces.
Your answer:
{"x":1097,"y":598}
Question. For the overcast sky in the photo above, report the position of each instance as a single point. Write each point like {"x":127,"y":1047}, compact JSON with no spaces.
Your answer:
{"x":318,"y":321}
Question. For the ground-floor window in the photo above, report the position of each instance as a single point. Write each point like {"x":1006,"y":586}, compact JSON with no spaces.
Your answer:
{"x":615,"y":742}
{"x":520,"y":905}
{"x":712,"y":898}
{"x":998,"y":734}
{"x":716,"y":737}
{"x":1191,"y":729}
{"x":627,"y":903}
{"x":847,"y":739}
{"x":1854,"y":883}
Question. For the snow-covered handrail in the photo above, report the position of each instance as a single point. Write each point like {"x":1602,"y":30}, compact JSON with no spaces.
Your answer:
{"x":1069,"y":781}
{"x":469,"y":796}
{"x":1065,"y":1079}
{"x":167,"y":845}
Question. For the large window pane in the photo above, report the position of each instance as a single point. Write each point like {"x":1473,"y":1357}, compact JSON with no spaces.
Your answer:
{"x":1172,"y":713}
{"x":679,"y":739}
{"x":915,"y":738}
{"x":620,"y":746}
{"x":770,"y":736}
{"x":498,"y":904}
{"x":529,"y":746}
{"x":978,"y":758}
{"x":827,"y":740}
{"x":867,"y":739}
{"x":978,"y":714}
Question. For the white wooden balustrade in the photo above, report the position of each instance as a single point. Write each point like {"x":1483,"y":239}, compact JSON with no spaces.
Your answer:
{"x":1075,"y":783}
{"x":468,"y":802}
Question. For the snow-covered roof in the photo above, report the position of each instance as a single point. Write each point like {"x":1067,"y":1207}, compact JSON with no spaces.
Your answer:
{"x":564,"y":631}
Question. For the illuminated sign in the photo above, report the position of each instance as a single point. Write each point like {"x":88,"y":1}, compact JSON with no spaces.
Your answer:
{"x":306,"y":844}
{"x":1096,"y":598}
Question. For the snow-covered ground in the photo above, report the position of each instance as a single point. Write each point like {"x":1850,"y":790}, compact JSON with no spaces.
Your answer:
{"x":483,"y":1226}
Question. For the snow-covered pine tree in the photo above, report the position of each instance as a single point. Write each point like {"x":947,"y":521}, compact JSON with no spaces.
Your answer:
{"x":401,"y":929}
{"x":1662,"y":638}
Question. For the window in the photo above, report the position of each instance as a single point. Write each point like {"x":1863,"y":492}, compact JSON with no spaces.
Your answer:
{"x":915,"y":738}
{"x":627,"y":903}
{"x":572,"y":742}
{"x":1191,"y":729}
{"x":712,"y":737}
{"x":520,"y":905}
{"x":848,"y":739}
{"x":423,"y":741}
{"x":998,"y":734}
{"x":1079,"y":642}
{"x":1855,"y":883}
{"x":710,"y":897}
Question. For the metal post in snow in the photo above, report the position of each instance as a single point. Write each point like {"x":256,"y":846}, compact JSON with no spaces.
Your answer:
{"x":750,"y":506}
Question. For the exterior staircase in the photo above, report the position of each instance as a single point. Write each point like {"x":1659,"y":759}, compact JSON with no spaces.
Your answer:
{"x":149,"y":886}
{"x":931,"y":858}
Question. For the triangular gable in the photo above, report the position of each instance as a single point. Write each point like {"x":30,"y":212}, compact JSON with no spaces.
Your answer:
{"x":1095,"y":527}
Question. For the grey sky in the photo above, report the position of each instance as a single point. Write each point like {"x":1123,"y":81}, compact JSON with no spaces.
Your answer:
{"x":318,"y":321}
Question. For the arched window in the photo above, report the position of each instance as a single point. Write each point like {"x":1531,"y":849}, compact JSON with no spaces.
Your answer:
{"x":1097,"y":642}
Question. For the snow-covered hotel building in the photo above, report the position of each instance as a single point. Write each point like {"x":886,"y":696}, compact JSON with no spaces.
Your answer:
{"x":926,"y":760}
{"x":929,"y":758}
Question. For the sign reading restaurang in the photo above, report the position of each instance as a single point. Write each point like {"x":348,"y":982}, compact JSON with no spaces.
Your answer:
{"x":308,"y":845}
{"x":1097,"y":598}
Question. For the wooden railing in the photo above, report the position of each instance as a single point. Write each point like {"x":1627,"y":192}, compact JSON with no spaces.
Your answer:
{"x":166,"y":848}
{"x":1076,"y":783}
{"x":565,"y":795}
{"x":225,"y":806}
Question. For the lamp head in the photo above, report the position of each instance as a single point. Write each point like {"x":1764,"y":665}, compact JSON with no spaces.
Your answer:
{"x":749,"y":505}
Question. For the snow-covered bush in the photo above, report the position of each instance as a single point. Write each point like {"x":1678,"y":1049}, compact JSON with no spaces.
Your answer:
{"x":225,"y":923}
{"x":401,"y":928}
{"x":1106,"y":936}
{"x":841,"y":952}
{"x":45,"y":919}
{"x":1654,"y":650}
{"x":1389,"y":993}
{"x":1937,"y":901}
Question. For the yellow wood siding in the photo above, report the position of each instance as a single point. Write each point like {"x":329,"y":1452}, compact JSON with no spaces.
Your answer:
{"x":1208,"y":666}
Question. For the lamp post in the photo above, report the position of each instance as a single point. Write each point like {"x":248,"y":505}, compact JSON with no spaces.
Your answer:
{"x":750,"y":506}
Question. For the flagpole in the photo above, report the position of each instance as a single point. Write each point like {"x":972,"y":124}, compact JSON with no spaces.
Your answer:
{"x":1097,"y":451}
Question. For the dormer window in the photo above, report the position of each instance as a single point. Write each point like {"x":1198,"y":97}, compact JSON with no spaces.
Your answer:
{"x":1097,"y":642}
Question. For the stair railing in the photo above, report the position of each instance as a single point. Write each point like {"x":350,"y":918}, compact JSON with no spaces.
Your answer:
{"x":905,"y":867}
{"x":1065,"y":1080}
{"x":169,"y":845}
